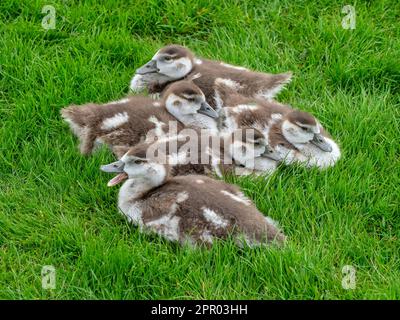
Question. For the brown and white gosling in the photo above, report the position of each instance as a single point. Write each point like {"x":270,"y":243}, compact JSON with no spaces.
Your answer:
{"x":242,"y":152}
{"x":296,"y":136}
{"x":134,"y":119}
{"x":299,"y":138}
{"x":189,"y":209}
{"x":174,"y":62}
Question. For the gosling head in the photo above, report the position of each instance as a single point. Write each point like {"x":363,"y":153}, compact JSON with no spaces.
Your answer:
{"x":248,"y":144}
{"x":135,"y":165}
{"x":173,"y":61}
{"x":300,"y":127}
{"x":185,"y":99}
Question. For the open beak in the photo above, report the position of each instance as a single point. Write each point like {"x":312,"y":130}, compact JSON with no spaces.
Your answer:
{"x":320,"y":142}
{"x":207,"y":110}
{"x":271,"y":154}
{"x":149,"y":67}
{"x":115,"y":167}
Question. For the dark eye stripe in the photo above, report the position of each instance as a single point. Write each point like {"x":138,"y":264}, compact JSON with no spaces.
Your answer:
{"x":138,"y":161}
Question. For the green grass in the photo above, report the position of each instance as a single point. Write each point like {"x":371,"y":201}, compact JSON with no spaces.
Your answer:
{"x":55,"y":207}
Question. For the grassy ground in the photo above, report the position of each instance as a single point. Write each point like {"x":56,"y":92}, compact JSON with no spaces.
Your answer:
{"x":55,"y":207}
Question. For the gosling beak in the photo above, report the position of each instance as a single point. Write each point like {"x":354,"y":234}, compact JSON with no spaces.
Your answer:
{"x":149,"y":67}
{"x":320,"y":142}
{"x":271,"y":154}
{"x":117,"y":167}
{"x":207,"y":110}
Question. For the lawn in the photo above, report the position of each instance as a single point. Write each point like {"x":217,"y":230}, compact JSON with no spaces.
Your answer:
{"x":56,"y":209}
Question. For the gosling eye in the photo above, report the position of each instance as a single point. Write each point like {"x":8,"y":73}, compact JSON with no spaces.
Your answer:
{"x":177,"y":103}
{"x":167,"y":58}
{"x":304,"y":128}
{"x":138,"y":161}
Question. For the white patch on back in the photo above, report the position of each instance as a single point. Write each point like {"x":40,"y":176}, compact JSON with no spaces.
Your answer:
{"x":158,"y":126}
{"x":244,"y":107}
{"x":182,"y":196}
{"x":199,"y":181}
{"x":212,"y":217}
{"x":234,"y":67}
{"x":229,"y":83}
{"x":115,"y":121}
{"x":156,"y":104}
{"x":195,"y":76}
{"x":198,"y":61}
{"x":276,"y":116}
{"x":168,"y":225}
{"x":239,"y":197}
{"x":124,"y":100}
